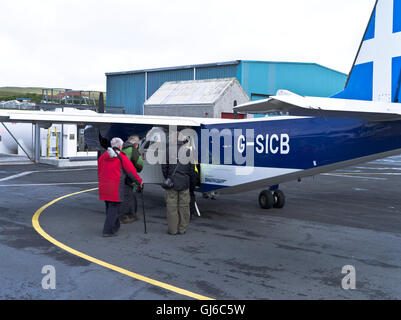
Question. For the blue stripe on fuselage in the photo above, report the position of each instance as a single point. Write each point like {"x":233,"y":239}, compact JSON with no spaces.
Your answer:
{"x":316,"y":142}
{"x":313,"y":142}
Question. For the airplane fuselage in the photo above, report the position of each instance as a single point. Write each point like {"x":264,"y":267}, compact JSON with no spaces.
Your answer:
{"x":290,"y":148}
{"x":257,"y":153}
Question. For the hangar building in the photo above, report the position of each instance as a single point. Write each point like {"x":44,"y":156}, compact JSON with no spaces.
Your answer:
{"x":259,"y":79}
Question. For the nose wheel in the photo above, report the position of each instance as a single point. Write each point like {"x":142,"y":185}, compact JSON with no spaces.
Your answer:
{"x":271,"y":199}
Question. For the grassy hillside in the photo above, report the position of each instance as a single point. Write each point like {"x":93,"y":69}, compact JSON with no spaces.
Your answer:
{"x":20,"y":90}
{"x":35,"y":94}
{"x":12,"y":93}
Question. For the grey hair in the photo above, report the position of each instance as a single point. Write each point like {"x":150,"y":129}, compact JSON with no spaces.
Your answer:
{"x":116,"y":143}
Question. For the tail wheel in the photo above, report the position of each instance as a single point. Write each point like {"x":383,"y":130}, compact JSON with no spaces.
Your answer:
{"x":266,"y":199}
{"x":279,"y":199}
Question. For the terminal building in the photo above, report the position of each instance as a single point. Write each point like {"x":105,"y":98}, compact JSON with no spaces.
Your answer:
{"x":259,"y":80}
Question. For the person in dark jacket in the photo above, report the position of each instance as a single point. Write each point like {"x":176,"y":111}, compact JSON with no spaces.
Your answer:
{"x":129,"y":207}
{"x":194,"y":181}
{"x":113,"y":166}
{"x":178,"y":198}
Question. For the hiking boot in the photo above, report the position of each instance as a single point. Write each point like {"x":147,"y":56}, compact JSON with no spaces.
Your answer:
{"x":109,"y":235}
{"x":127,"y":220}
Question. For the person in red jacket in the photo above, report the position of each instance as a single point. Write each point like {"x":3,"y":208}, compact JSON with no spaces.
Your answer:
{"x":113,"y":168}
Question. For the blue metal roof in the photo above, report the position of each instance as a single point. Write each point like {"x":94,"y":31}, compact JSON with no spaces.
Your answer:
{"x":175,"y":68}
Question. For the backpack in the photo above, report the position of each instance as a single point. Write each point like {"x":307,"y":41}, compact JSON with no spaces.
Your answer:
{"x":135,"y":157}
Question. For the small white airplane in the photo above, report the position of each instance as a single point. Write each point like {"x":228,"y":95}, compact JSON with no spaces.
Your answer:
{"x":312,"y":136}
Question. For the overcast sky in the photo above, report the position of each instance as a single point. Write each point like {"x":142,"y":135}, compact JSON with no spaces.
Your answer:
{"x":72,"y":44}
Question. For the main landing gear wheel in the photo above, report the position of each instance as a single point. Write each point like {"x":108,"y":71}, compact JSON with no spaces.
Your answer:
{"x":266,"y":199}
{"x":279,"y":199}
{"x":271,"y":199}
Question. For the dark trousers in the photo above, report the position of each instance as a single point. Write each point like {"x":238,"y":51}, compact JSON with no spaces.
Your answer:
{"x":129,"y":207}
{"x":112,"y":223}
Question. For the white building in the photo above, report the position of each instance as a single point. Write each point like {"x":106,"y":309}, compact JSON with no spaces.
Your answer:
{"x":199,"y":98}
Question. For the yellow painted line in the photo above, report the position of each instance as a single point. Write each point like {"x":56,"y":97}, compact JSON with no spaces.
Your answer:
{"x":38,"y":228}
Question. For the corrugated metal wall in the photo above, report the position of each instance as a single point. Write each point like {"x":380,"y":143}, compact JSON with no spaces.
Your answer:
{"x":157,"y":78}
{"x":126,"y":91}
{"x":216,"y":72}
{"x":258,"y":78}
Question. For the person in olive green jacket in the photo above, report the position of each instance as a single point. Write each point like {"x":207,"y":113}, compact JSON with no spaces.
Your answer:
{"x":129,"y":207}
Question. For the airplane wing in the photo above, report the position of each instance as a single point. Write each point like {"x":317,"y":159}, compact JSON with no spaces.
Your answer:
{"x":85,"y":117}
{"x":295,"y":105}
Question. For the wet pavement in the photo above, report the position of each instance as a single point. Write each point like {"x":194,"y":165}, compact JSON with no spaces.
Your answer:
{"x":234,"y":251}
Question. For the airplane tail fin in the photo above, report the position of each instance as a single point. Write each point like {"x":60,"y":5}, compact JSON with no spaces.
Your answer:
{"x":376,"y":73}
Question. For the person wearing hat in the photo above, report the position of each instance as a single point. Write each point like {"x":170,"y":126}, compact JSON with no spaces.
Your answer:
{"x":178,"y":197}
{"x":129,"y":207}
{"x":113,"y":168}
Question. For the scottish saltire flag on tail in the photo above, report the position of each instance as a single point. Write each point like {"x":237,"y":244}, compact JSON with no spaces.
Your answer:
{"x":376,"y":73}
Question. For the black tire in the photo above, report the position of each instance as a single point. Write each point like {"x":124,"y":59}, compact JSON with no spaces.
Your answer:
{"x":266,"y":199}
{"x":279,"y":199}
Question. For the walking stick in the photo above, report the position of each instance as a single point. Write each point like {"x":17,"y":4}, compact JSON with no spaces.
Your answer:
{"x":197,"y":209}
{"x":143,"y":210}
